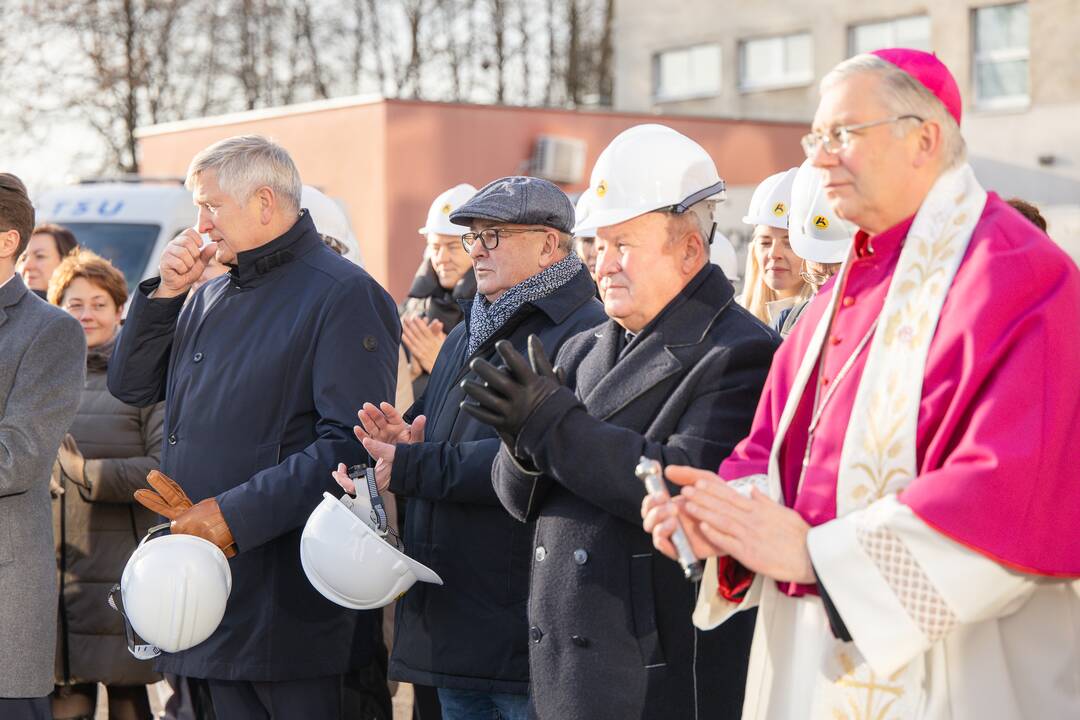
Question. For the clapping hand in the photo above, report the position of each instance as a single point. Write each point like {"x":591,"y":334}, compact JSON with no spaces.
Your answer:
{"x":508,"y":396}
{"x":423,"y":340}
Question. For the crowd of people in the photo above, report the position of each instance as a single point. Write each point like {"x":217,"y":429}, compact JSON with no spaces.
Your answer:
{"x":868,"y":508}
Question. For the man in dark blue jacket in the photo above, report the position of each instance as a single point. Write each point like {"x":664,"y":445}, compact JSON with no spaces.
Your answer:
{"x":469,"y":638}
{"x":260,"y":373}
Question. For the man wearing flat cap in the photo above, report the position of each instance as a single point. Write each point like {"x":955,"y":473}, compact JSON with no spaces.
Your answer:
{"x":469,"y":637}
{"x":673,"y":375}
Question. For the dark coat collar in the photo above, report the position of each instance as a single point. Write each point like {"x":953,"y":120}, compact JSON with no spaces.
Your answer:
{"x":668,"y":345}
{"x":426,"y":285}
{"x":254,"y":266}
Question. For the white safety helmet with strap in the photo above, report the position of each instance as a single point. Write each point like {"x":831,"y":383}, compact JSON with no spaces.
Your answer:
{"x":581,"y":210}
{"x":173,"y":592}
{"x":771,"y":201}
{"x":647,"y":168}
{"x":438,"y":217}
{"x":816,"y":233}
{"x":347,"y":555}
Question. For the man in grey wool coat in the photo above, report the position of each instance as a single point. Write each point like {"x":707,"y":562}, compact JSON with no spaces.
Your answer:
{"x":42,"y":363}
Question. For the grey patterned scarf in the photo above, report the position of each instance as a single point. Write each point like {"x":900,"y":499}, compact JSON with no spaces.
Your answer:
{"x":486,"y":318}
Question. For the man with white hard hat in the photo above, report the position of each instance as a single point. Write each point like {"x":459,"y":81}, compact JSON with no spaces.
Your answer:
{"x":904,"y":511}
{"x":672,"y":376}
{"x":817,"y":235}
{"x":445,"y":278}
{"x":772,"y":282}
{"x":585,"y":240}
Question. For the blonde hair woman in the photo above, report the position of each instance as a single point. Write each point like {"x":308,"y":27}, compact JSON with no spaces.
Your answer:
{"x":773,"y":279}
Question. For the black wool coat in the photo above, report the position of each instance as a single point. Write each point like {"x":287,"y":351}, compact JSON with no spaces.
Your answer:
{"x":610,"y":618}
{"x":470,"y":633}
{"x":261,"y":374}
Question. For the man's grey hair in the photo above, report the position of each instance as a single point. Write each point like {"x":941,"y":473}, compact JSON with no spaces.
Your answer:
{"x":244,"y":164}
{"x":904,"y":95}
{"x":566,"y":242}
{"x":698,"y":217}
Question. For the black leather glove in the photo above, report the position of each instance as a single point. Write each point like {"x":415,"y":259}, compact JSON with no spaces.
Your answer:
{"x":511,"y":394}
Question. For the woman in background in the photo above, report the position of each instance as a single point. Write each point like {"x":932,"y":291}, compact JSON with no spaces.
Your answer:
{"x":49,"y":244}
{"x":102,"y":461}
{"x":773,"y":281}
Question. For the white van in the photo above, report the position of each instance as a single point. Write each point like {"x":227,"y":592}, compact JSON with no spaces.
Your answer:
{"x":129,"y":223}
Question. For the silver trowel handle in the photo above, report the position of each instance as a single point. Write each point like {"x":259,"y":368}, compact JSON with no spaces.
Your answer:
{"x":650,"y":472}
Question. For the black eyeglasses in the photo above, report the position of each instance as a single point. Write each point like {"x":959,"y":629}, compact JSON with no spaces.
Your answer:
{"x":490,"y":238}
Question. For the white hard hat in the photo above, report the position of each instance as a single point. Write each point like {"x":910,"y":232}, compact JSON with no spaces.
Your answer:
{"x":722,"y":253}
{"x":346,"y":559}
{"x":330,"y":219}
{"x":327,"y":215}
{"x":771,"y":201}
{"x":646,"y":168}
{"x":816,"y":233}
{"x":580,"y":211}
{"x":438,"y":216}
{"x":174,"y":589}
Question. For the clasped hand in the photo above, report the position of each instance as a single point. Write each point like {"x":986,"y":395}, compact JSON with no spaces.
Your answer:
{"x":761,"y":534}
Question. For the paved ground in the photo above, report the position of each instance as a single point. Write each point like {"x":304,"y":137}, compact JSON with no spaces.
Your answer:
{"x":403,"y":700}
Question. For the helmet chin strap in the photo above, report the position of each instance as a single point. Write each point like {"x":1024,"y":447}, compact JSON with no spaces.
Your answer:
{"x":141,"y":651}
{"x":695,"y":198}
{"x":373,"y":503}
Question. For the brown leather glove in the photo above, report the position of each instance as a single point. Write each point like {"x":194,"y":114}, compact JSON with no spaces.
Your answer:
{"x":203,"y":519}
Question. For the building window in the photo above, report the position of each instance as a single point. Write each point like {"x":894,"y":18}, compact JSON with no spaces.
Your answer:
{"x":776,"y":62}
{"x":687,"y":72}
{"x":1000,"y":62}
{"x":907,"y":32}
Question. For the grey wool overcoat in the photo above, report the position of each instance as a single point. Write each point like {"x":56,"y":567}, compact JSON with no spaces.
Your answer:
{"x":42,"y":364}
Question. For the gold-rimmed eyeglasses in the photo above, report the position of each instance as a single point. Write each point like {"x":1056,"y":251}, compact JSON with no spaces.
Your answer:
{"x":838,"y":138}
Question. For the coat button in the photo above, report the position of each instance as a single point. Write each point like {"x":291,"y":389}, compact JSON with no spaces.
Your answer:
{"x":849,"y":301}
{"x":580,"y":556}
{"x":172,"y":438}
{"x":541,"y":553}
{"x":535,"y":634}
{"x":579,"y":641}
{"x":198,"y":357}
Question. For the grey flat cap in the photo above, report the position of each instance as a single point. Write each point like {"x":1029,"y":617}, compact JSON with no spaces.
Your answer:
{"x":520,"y":200}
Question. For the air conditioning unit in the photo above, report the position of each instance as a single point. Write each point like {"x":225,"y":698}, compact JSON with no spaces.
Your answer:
{"x":559,"y":159}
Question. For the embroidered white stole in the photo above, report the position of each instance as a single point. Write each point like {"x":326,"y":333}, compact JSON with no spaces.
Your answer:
{"x":878,"y":456}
